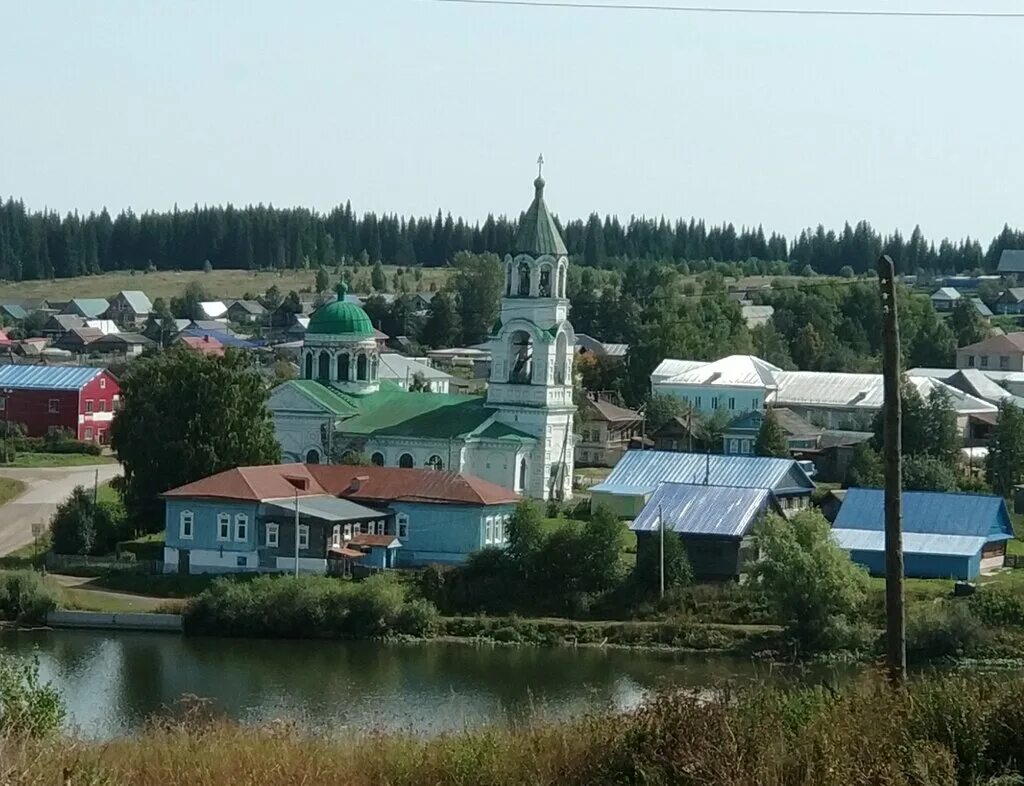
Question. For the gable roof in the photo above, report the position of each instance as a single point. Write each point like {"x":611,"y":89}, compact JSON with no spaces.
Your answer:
{"x":205,"y":344}
{"x":791,"y":423}
{"x":14,"y":310}
{"x":980,"y":307}
{"x":1011,"y":295}
{"x":933,"y":512}
{"x":731,"y":371}
{"x":252,"y":484}
{"x":1008,"y":342}
{"x":90,"y":307}
{"x":47,"y":377}
{"x":213,"y":308}
{"x":116,"y":339}
{"x":1011,"y":261}
{"x":946,"y":293}
{"x":599,"y":409}
{"x":249,"y":306}
{"x":138,"y":300}
{"x":64,"y":322}
{"x":913,"y":542}
{"x":84,"y":334}
{"x":643,"y":470}
{"x":692,"y":509}
{"x":221,"y":336}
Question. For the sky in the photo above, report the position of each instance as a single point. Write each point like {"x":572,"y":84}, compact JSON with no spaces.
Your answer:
{"x":409,"y":106}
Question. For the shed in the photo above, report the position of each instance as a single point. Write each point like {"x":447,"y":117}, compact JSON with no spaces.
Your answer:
{"x":714,"y":523}
{"x":945,"y":535}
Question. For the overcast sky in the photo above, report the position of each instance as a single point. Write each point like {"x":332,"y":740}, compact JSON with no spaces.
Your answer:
{"x":411,"y":106}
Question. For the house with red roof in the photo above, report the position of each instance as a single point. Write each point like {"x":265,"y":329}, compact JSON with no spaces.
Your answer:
{"x":317,"y":516}
{"x":206,"y":344}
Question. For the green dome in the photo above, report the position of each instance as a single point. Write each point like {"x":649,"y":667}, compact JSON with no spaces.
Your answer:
{"x":340,"y":317}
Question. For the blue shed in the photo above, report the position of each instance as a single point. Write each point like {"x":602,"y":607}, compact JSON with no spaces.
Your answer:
{"x":945,"y":535}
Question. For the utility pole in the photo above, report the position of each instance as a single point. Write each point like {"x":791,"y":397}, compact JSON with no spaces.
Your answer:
{"x":296,"y":532}
{"x":661,"y":528}
{"x":895,"y":620}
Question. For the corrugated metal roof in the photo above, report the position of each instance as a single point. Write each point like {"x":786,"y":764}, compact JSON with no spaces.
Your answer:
{"x":932,"y":512}
{"x":402,"y":369}
{"x":692,"y":509}
{"x":1011,"y":261}
{"x":732,"y":371}
{"x":137,"y":299}
{"x":640,"y":470}
{"x":327,"y":508}
{"x":669,"y":368}
{"x":913,"y":542}
{"x":46,"y":377}
{"x":946,"y":293}
{"x":90,"y":307}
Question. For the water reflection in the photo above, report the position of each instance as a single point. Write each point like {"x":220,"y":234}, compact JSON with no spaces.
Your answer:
{"x":113,"y":682}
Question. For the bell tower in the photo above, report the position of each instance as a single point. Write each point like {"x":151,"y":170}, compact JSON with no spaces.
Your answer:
{"x":532,"y":351}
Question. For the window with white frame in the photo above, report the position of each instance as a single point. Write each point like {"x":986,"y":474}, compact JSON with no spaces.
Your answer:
{"x":348,"y":532}
{"x":103,"y":383}
{"x":403,"y":526}
{"x":499,"y":529}
{"x":380,"y":527}
{"x":273,"y":536}
{"x":186,"y":520}
{"x":223,"y":526}
{"x":336,"y":536}
{"x":103,"y":405}
{"x":303,"y":536}
{"x":88,"y":406}
{"x":489,"y":531}
{"x":241,"y":527}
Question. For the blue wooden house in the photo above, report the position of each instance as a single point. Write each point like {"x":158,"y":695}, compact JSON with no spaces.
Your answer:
{"x":945,"y":535}
{"x":373,"y":518}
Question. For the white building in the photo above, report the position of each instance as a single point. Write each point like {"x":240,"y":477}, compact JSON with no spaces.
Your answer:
{"x":520,"y":436}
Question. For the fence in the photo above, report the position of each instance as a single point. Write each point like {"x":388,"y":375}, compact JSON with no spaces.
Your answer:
{"x":60,"y":563}
{"x":1014,"y":561}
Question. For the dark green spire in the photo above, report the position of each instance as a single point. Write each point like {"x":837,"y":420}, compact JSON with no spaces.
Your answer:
{"x":537,"y":234}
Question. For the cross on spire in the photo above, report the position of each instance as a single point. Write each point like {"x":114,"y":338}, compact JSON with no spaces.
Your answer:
{"x":540,"y":165}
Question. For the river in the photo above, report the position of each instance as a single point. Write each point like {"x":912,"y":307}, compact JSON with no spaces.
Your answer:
{"x":112,"y":682}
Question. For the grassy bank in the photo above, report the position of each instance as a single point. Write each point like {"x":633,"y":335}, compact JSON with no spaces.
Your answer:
{"x":9,"y":489}
{"x":946,"y":731}
{"x":43,"y":460}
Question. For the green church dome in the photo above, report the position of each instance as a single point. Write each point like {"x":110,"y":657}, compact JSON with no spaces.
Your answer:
{"x":340,"y":317}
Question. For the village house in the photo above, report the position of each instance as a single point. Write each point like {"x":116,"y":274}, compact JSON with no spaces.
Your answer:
{"x":945,"y":535}
{"x":406,"y":372}
{"x":86,"y":307}
{"x":77,"y":399}
{"x":246,"y":312}
{"x":129,"y":308}
{"x":78,"y":340}
{"x":1010,"y":301}
{"x":123,"y":345}
{"x":59,"y":324}
{"x":945,"y":298}
{"x":605,"y":431}
{"x":996,"y":353}
{"x":373,"y":518}
{"x":741,"y":434}
{"x":681,"y":433}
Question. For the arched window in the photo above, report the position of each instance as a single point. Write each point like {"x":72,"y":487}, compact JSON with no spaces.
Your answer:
{"x":508,"y":279}
{"x":520,"y":362}
{"x":521,"y":480}
{"x":405,"y":461}
{"x":361,"y":367}
{"x":313,"y":456}
{"x":524,"y":279}
{"x":343,"y":367}
{"x":374,"y":367}
{"x":309,"y":366}
{"x":434,"y":462}
{"x":377,"y":459}
{"x":544,"y":288}
{"x":562,"y":360}
{"x":324,"y":371}
{"x":561,"y":279}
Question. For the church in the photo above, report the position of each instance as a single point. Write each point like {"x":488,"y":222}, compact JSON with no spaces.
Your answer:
{"x":519,"y":436}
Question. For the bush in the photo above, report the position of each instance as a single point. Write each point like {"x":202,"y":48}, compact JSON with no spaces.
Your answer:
{"x":26,"y":707}
{"x":417,"y":618}
{"x":998,"y":607}
{"x":942,"y":630}
{"x":73,"y":529}
{"x":25,"y":597}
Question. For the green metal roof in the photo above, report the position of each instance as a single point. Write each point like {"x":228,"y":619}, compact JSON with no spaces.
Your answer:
{"x":394,"y":411}
{"x":537,"y":234}
{"x":504,"y":432}
{"x":328,"y":397}
{"x":340,"y":318}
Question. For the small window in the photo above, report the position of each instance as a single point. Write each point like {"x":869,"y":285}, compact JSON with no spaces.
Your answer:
{"x":434,"y":462}
{"x":348,"y":532}
{"x":489,"y":531}
{"x":88,"y":434}
{"x":1004,"y":362}
{"x":88,"y":406}
{"x":732,"y":403}
{"x":242,"y":562}
{"x":499,"y":529}
{"x":336,"y":536}
{"x":403,"y":526}
{"x":984,"y":361}
{"x":405,"y":461}
{"x":380,"y":527}
{"x":186,"y":521}
{"x":54,"y":406}
{"x":103,"y":405}
{"x":970,"y":361}
{"x":377,"y":459}
{"x":714,"y":402}
{"x":697,"y":402}
{"x":223,"y":526}
{"x":241,"y":527}
{"x":303,"y":536}
{"x":272,"y":536}
{"x":3,"y":403}
{"x":103,"y":383}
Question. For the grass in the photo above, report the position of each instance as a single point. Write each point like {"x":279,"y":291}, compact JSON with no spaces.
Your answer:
{"x":9,"y":489}
{"x":83,"y":599}
{"x":42,"y":460}
{"x":218,"y":283}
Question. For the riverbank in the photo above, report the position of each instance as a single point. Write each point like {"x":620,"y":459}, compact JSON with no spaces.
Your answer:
{"x":947,"y":730}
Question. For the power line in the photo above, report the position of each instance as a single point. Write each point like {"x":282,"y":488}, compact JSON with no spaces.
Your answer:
{"x":702,"y":9}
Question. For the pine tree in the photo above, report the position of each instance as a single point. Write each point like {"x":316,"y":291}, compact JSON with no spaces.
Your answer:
{"x":377,"y":278}
{"x":323,"y":280}
{"x":771,"y":439}
{"x":442,"y":328}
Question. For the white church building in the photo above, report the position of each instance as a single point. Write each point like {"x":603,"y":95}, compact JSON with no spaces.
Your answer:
{"x":520,"y":436}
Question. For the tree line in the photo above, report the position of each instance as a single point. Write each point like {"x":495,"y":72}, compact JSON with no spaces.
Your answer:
{"x":44,"y":244}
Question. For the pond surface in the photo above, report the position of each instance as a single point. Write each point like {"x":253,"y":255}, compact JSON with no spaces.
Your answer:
{"x":112,"y":682}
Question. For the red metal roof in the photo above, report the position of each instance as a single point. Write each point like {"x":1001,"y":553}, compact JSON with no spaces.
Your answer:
{"x":205,"y":344}
{"x":360,"y":539}
{"x":380,"y":484}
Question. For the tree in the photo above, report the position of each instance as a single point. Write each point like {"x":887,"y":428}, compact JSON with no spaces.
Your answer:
{"x":525,"y":535}
{"x":661,"y":408}
{"x":477,"y":286}
{"x":865,"y":467}
{"x":323,"y":279}
{"x":928,"y":473}
{"x":713,"y":426}
{"x":185,"y":416}
{"x":1004,"y":464}
{"x":929,"y":426}
{"x":188,"y":305}
{"x":73,"y":528}
{"x":846,"y":272}
{"x":967,"y":324}
{"x":808,"y":348}
{"x":599,"y":564}
{"x":810,"y":582}
{"x":771,"y":439}
{"x":646,"y":576}
{"x":377,"y":278}
{"x":419,"y":383}
{"x":443,"y":327}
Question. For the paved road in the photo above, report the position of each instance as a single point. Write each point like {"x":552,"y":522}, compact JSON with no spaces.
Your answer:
{"x":46,"y":488}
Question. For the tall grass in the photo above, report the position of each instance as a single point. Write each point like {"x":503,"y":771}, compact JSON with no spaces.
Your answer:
{"x":939,"y":732}
{"x":25,"y":597}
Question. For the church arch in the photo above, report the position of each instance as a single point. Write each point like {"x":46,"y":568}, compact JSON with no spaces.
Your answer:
{"x":361,"y":367}
{"x":434,"y":462}
{"x":545,"y":281}
{"x":324,"y":366}
{"x":377,"y":459}
{"x":405,"y":461}
{"x":562,"y":272}
{"x":562,"y":359}
{"x":343,"y":371}
{"x":374,"y":366}
{"x":309,"y":366}
{"x":520,"y":359}
{"x":508,"y":279}
{"x":521,"y":475}
{"x":313,"y":456}
{"x":525,"y":274}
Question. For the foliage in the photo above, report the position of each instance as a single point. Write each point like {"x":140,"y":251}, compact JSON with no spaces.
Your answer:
{"x":811,"y":582}
{"x":185,"y":416}
{"x":942,"y":630}
{"x":660,"y":409}
{"x":967,"y":324}
{"x":1004,"y":464}
{"x":25,"y":597}
{"x":645,"y":578}
{"x":929,"y":428}
{"x":27,"y":707}
{"x":323,"y":279}
{"x":927,"y":473}
{"x":865,"y":468}
{"x":418,"y":383}
{"x":73,"y":529}
{"x":443,"y":327}
{"x":998,"y":607}
{"x":771,"y":439}
{"x":477,"y":286}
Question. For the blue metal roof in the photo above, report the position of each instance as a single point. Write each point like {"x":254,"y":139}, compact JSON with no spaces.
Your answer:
{"x":913,"y":542}
{"x":929,"y":512}
{"x":223,"y":337}
{"x":643,"y":470}
{"x":46,"y":377}
{"x":691,"y":509}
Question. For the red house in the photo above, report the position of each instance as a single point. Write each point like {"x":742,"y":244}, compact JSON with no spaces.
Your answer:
{"x":79,"y":399}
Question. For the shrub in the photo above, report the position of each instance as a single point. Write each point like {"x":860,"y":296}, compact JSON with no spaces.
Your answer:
{"x":26,"y":707}
{"x":942,"y":630}
{"x":418,"y":617}
{"x":25,"y":597}
{"x":998,"y":607}
{"x":73,"y":529}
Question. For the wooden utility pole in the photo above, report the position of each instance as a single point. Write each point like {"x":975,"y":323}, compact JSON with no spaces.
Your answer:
{"x":895,"y":620}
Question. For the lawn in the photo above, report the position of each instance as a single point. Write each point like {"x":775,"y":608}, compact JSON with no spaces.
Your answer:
{"x":42,"y":460}
{"x":167,"y":284}
{"x":9,"y":489}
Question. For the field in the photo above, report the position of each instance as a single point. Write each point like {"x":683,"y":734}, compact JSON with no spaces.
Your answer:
{"x":221,"y":284}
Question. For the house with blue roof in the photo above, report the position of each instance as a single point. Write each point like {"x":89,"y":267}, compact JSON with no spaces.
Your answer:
{"x":638,"y":474}
{"x":715,"y":523}
{"x":79,"y":400}
{"x":945,"y":535}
